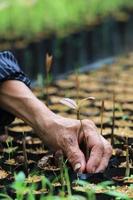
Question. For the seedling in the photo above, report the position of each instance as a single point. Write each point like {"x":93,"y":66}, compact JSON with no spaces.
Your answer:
{"x":48,"y":64}
{"x":67,"y":180}
{"x":127,"y":172}
{"x":77,"y":82}
{"x":102,"y":112}
{"x":9,"y":145}
{"x":61,"y":164}
{"x":77,"y":106}
{"x":25,"y":155}
{"x":113,"y":121}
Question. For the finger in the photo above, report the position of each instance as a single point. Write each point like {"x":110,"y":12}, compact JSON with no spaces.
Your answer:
{"x":103,"y":164}
{"x":94,"y":143}
{"x":106,"y":156}
{"x":95,"y":158}
{"x":74,"y":154}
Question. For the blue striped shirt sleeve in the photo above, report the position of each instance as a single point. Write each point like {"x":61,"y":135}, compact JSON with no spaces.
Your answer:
{"x":10,"y":70}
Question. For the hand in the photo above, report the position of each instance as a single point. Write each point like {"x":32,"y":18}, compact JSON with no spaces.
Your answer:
{"x":64,"y":135}
{"x":59,"y":132}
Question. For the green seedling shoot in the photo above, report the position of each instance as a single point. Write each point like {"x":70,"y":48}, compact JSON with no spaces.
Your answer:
{"x":48,"y":64}
{"x":9,"y":144}
{"x":61,"y":165}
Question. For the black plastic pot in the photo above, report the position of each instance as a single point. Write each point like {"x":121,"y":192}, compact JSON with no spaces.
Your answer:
{"x":7,"y":179}
{"x":11,"y":167}
{"x":48,"y":166}
{"x":117,"y":174}
{"x":93,"y":177}
{"x":10,"y":153}
{"x":19,"y":133}
{"x":31,"y":142}
{"x":34,"y":155}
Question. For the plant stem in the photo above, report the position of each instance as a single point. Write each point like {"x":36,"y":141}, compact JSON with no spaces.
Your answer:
{"x":25,"y":155}
{"x":127,"y":172}
{"x":67,"y":182}
{"x":77,"y":87}
{"x":47,"y":88}
{"x":113,"y":121}
{"x":48,"y":67}
{"x":124,"y":141}
{"x":61,"y":165}
{"x":102,"y":111}
{"x":78,"y":115}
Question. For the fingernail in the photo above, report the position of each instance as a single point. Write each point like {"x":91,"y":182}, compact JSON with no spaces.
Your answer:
{"x":77,"y":167}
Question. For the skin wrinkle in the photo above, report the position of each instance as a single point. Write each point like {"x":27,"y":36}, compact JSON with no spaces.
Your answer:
{"x":100,"y":149}
{"x":56,"y":131}
{"x":71,"y":142}
{"x":71,"y":149}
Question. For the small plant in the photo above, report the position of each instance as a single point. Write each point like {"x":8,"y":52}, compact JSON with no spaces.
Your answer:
{"x":19,"y":187}
{"x":102,"y":111}
{"x":127,"y":172}
{"x":25,"y":155}
{"x":61,"y":165}
{"x":8,"y":142}
{"x":67,"y":180}
{"x":48,"y":64}
{"x":77,"y":83}
{"x":113,"y":120}
{"x":9,"y":146}
{"x":77,"y":106}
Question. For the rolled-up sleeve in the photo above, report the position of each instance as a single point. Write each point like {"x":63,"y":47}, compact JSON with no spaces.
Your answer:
{"x":10,"y":70}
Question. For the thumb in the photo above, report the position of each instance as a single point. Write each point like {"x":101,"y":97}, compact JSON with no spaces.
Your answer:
{"x":75,"y":155}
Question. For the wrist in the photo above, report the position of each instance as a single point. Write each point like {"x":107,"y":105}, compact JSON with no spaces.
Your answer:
{"x":43,"y":117}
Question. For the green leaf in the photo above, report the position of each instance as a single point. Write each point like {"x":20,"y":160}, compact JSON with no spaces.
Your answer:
{"x":20,"y":177}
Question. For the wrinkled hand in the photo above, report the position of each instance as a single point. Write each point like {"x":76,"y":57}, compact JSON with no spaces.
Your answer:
{"x":65,"y":135}
{"x":59,"y":132}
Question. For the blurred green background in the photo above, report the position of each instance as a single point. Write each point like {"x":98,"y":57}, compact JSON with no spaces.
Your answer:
{"x":30,"y":18}
{"x":75,"y":32}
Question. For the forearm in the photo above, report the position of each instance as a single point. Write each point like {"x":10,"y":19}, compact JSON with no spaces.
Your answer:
{"x":18,"y":99}
{"x":55,"y":131}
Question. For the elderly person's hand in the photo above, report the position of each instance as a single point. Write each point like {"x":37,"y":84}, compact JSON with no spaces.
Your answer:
{"x":64,"y":134}
{"x":58,"y":132}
